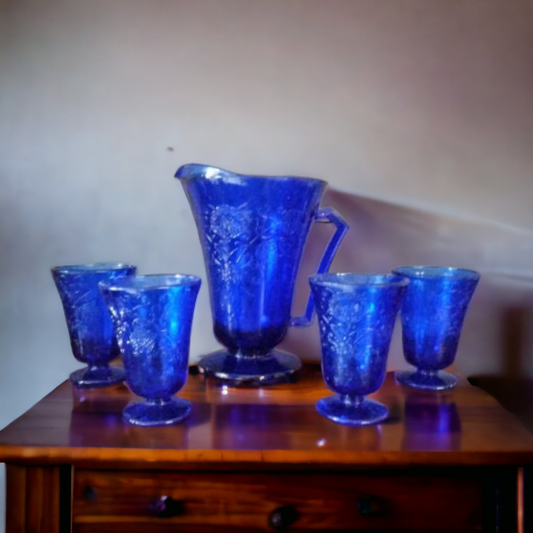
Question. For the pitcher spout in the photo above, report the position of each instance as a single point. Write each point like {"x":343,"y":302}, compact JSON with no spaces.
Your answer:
{"x":196,"y":170}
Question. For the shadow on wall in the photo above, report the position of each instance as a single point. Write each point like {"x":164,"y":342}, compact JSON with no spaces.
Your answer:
{"x":497,"y":336}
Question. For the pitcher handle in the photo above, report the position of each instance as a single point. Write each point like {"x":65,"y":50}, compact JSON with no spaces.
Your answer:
{"x":327,"y":214}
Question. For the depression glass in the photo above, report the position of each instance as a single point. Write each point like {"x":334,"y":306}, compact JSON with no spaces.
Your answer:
{"x":153,"y":319}
{"x":90,"y":328}
{"x":356,"y":316}
{"x":253,"y":230}
{"x":432,"y":314}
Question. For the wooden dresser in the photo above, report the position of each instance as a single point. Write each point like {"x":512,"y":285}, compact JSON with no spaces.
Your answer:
{"x":264,"y":460}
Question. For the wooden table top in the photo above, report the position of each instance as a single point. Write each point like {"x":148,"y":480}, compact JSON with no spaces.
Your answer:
{"x":269,"y":426}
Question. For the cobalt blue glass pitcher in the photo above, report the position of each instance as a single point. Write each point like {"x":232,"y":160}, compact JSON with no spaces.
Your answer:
{"x":253,"y":230}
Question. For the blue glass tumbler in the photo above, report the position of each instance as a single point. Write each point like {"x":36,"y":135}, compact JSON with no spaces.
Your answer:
{"x":356,"y":316}
{"x":153,"y":319}
{"x":253,"y":230}
{"x":433,"y":313}
{"x":92,"y":336}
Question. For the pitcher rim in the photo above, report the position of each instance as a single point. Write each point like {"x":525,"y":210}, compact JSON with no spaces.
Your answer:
{"x":236,"y":174}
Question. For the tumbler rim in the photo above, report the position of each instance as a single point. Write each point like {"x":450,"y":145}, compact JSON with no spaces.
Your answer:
{"x":349,"y":280}
{"x":435,"y":272}
{"x":92,"y":267}
{"x":149,"y":282}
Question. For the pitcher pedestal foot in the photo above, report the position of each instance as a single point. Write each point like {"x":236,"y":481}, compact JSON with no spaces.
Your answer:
{"x":262,"y":370}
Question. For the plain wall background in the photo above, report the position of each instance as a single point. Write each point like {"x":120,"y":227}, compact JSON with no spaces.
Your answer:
{"x":420,"y":112}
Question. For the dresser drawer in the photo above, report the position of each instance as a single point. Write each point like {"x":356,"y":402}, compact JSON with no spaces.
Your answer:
{"x":184,"y":501}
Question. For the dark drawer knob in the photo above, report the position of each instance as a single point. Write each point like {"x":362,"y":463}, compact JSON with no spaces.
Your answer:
{"x":89,"y":494}
{"x":166,"y":507}
{"x":372,"y":506}
{"x":283,"y":517}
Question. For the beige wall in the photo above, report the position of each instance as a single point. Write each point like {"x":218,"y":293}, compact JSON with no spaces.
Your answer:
{"x":425,"y":106}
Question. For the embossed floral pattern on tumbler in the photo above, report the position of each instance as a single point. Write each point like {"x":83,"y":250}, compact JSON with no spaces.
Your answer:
{"x":356,"y":315}
{"x":90,"y":328}
{"x":433,"y":313}
{"x":153,"y":319}
{"x":253,"y":230}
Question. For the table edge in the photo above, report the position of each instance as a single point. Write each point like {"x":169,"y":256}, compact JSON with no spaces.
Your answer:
{"x":156,"y":457}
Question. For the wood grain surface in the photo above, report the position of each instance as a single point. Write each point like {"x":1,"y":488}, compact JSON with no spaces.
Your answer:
{"x":265,"y":426}
{"x":32,"y":495}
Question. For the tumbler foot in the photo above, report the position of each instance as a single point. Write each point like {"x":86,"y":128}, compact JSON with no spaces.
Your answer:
{"x":426,"y":381}
{"x":362,"y":413}
{"x":165,"y":413}
{"x":97,"y":377}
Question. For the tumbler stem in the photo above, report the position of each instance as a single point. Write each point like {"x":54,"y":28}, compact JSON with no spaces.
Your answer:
{"x":250,"y":355}
{"x":353,"y":400}
{"x":158,"y":401}
{"x":95,"y":368}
